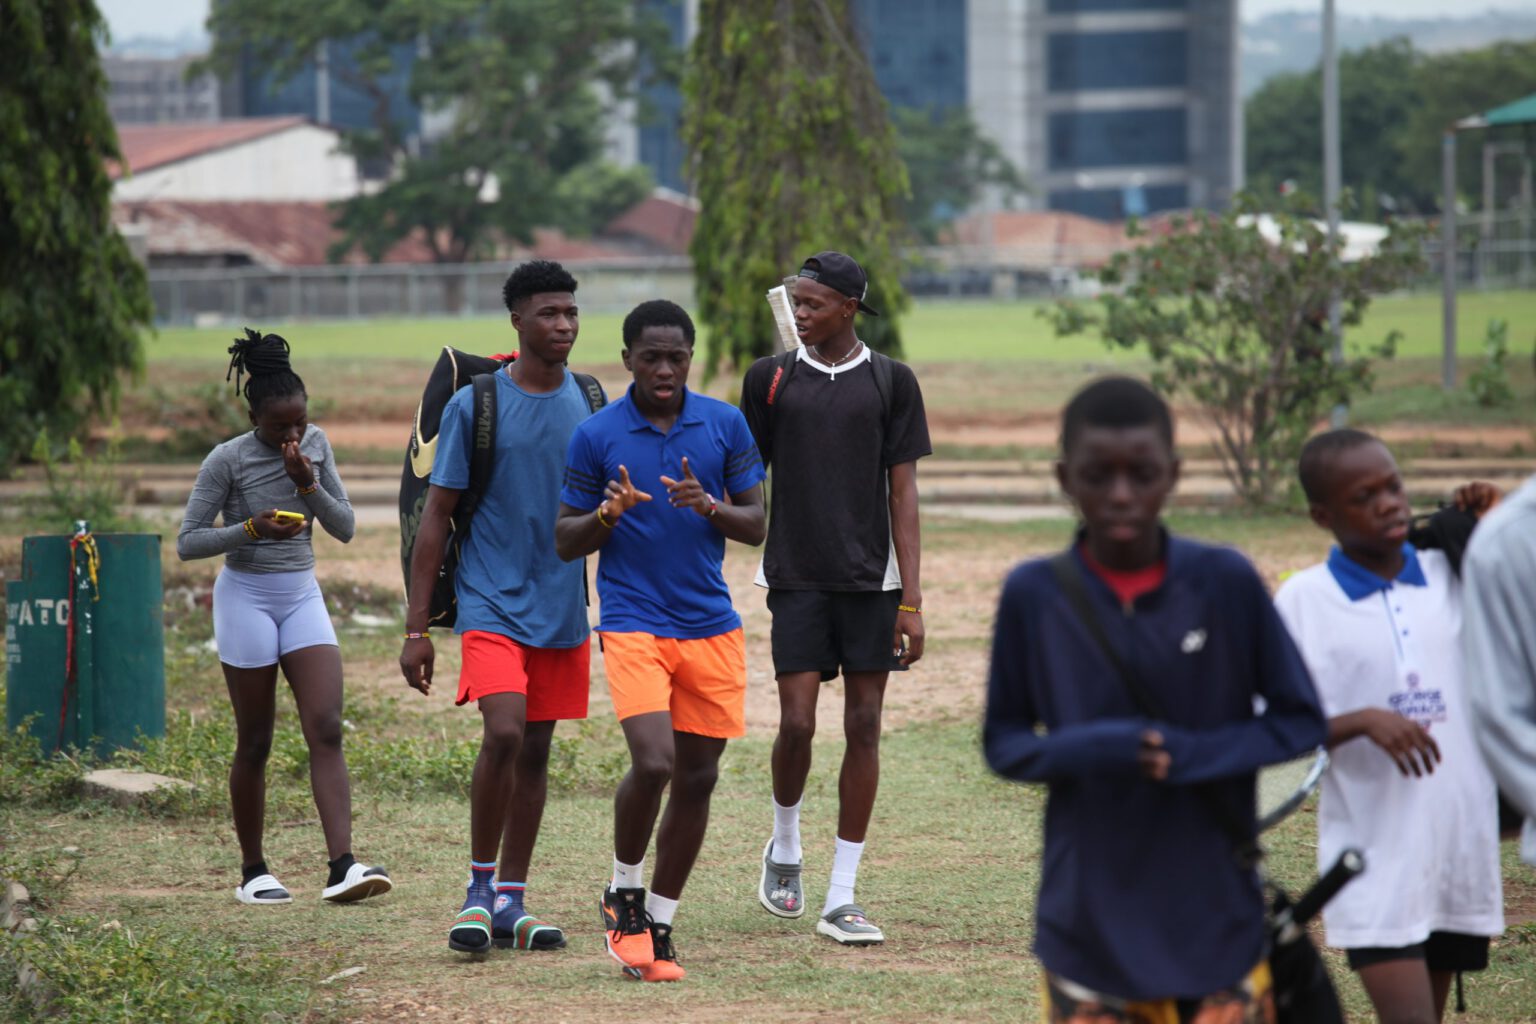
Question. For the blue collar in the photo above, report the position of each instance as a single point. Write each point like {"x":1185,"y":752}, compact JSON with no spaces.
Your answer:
{"x":686,"y":415}
{"x":1358,"y":582}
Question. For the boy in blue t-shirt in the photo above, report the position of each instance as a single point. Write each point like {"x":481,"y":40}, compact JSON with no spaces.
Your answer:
{"x":1145,"y":911}
{"x":671,"y":640}
{"x":522,"y":611}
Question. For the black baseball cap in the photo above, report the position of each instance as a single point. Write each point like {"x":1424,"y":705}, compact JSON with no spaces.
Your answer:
{"x":841,"y":273}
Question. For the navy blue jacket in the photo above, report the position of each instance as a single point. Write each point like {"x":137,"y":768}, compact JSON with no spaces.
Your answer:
{"x":1141,"y":894}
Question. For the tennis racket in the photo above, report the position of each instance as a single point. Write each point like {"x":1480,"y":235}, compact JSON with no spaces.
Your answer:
{"x":784,"y":317}
{"x":1284,"y":787}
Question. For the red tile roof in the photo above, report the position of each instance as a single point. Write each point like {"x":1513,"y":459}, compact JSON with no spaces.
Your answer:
{"x":272,"y":234}
{"x":153,"y":145}
{"x":663,"y":222}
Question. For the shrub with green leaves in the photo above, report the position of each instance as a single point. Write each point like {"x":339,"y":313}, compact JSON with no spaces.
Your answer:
{"x":1489,"y":383}
{"x":96,"y":972}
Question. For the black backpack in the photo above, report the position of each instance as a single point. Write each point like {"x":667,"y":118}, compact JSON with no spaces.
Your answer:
{"x":455,"y":370}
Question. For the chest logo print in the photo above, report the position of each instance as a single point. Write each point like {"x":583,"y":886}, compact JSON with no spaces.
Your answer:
{"x":1193,"y":642}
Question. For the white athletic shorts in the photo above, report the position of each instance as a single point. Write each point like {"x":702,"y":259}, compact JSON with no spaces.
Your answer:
{"x":259,"y":617}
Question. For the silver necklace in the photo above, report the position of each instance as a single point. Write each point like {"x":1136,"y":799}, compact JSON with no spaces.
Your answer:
{"x":833,"y":365}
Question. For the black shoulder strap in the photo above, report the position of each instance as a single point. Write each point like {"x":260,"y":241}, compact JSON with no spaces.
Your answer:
{"x":482,"y":452}
{"x":881,"y":364}
{"x":783,"y":368}
{"x":592,"y":390}
{"x":1069,"y":576}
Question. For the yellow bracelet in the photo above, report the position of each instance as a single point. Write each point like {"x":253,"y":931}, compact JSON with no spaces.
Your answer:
{"x":311,"y":489}
{"x":250,"y":529}
{"x":909,"y":608}
{"x":601,"y":521}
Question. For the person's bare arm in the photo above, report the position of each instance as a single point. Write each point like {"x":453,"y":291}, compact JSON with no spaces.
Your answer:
{"x":906,"y":536}
{"x":1408,"y":743}
{"x":416,"y":656}
{"x":744,"y":520}
{"x":578,"y":533}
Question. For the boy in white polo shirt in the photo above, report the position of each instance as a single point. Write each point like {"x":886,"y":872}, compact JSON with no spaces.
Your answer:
{"x":1379,"y":625}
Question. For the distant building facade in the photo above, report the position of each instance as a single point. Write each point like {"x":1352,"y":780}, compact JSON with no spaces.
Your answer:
{"x":321,"y":91}
{"x":1109,"y":107}
{"x":155,"y":90}
{"x":253,"y":160}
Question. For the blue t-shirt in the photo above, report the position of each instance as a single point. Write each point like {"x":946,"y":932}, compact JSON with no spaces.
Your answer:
{"x":510,"y":581}
{"x":660,"y":571}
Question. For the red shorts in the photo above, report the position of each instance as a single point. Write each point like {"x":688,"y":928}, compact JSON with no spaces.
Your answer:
{"x":554,"y":679}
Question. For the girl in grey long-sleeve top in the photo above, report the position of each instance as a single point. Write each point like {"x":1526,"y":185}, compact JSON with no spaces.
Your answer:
{"x":268,"y":611}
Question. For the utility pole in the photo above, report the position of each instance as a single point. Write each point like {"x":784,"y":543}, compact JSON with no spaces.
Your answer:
{"x":1332,"y":184}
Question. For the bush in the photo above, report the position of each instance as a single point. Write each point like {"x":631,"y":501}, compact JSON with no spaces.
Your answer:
{"x":81,"y":487}
{"x":104,"y":973}
{"x":1489,"y":383}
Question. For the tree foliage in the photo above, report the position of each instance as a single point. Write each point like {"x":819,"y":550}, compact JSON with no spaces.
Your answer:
{"x":791,"y":153}
{"x":72,"y":297}
{"x":1394,"y":105}
{"x":520,"y":83}
{"x":950,"y":163}
{"x":1239,"y":325}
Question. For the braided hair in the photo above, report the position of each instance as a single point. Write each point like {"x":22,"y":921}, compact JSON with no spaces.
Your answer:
{"x":263,"y":360}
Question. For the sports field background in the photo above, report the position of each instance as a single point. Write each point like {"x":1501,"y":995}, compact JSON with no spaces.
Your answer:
{"x":935,"y":331}
{"x":952,"y":863}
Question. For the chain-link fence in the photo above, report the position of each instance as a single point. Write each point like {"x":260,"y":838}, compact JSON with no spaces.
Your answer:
{"x":1498,"y":252}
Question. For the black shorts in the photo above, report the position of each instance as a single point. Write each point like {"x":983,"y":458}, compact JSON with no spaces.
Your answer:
{"x":829,"y":631}
{"x":1442,"y":951}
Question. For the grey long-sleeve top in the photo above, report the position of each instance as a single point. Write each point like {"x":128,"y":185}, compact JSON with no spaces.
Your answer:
{"x":244,"y":476}
{"x":1498,"y":639}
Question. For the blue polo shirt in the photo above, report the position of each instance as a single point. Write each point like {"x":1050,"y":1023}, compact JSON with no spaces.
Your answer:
{"x":659,"y":572}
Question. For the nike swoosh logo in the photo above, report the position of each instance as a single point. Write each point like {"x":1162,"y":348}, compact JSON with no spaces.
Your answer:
{"x":422,"y":452}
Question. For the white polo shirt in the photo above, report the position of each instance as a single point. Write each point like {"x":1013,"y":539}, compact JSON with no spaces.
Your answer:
{"x":1431,"y":844}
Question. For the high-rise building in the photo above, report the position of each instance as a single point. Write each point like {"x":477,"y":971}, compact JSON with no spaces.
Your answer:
{"x":1109,"y":107}
{"x":1112,"y":107}
{"x":323,"y":91}
{"x":155,"y":90}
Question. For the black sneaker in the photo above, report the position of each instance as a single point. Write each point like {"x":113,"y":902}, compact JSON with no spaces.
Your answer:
{"x":627,"y":927}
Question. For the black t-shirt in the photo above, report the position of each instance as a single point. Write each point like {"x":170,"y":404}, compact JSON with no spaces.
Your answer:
{"x":829,"y":443}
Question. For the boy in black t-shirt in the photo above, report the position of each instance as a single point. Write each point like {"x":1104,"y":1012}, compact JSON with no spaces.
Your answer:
{"x":841,"y":429}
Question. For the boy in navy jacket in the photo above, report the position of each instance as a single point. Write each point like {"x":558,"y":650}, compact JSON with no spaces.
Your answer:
{"x":1146,"y":910}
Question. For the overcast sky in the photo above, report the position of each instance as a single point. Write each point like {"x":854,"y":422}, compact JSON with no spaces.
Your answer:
{"x":130,"y":18}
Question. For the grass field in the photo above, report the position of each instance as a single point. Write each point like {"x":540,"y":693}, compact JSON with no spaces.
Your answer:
{"x":951,"y":870}
{"x":935,"y":332}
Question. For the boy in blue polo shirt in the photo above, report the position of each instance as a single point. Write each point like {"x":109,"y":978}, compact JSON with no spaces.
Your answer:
{"x":671,"y":640}
{"x":1379,"y":625}
{"x":1145,"y":910}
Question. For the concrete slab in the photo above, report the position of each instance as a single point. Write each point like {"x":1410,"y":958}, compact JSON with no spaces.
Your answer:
{"x":127,"y":788}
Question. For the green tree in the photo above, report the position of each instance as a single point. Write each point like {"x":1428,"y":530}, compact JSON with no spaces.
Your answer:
{"x":1379,"y":87}
{"x":950,"y":162}
{"x":1394,"y":105}
{"x":1456,"y":85}
{"x":1238,"y":324}
{"x":791,"y":152}
{"x":73,"y":300}
{"x":518,"y":82}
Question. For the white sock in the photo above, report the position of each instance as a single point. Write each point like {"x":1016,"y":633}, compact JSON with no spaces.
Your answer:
{"x":786,"y":833}
{"x":660,"y":908}
{"x":845,"y":871}
{"x":626,"y":876}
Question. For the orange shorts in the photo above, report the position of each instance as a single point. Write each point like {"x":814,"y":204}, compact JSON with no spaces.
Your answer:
{"x":554,"y":679}
{"x":703,"y":682}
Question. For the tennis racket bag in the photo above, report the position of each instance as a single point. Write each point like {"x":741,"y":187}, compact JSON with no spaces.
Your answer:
{"x":454,"y":370}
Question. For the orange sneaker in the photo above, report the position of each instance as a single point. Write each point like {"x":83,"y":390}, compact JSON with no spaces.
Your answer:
{"x":626,"y":927}
{"x":664,"y":967}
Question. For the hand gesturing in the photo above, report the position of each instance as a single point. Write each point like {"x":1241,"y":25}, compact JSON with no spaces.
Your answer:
{"x":688,"y":492}
{"x":621,"y":496}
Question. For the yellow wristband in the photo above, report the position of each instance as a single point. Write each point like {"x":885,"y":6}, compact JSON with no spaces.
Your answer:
{"x":601,"y":521}
{"x":909,"y":608}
